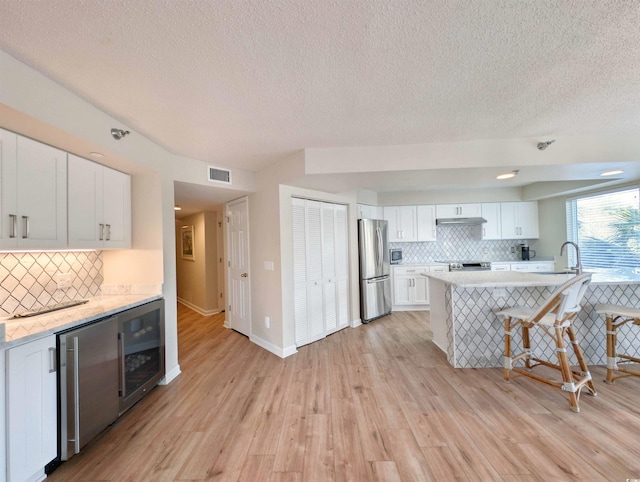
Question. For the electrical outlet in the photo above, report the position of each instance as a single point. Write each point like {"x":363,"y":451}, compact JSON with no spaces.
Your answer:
{"x":513,"y":249}
{"x":267,"y":322}
{"x":63,"y":280}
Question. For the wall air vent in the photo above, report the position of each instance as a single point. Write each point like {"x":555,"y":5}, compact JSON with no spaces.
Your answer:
{"x":217,"y":174}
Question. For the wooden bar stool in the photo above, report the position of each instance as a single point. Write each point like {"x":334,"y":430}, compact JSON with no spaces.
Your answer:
{"x":617,"y":316}
{"x":554,"y":317}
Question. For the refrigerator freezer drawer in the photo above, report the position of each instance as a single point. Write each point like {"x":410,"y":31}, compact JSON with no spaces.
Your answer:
{"x":376,"y":298}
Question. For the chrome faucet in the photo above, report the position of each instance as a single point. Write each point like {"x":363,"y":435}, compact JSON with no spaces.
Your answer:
{"x":578,"y":267}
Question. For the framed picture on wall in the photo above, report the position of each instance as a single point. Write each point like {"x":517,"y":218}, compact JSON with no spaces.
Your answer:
{"x":187,"y":243}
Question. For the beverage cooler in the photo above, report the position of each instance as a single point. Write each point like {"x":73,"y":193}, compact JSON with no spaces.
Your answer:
{"x":141,"y":350}
{"x":106,"y":366}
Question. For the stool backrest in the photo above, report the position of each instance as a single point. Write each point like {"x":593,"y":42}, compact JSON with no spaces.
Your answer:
{"x":565,"y":301}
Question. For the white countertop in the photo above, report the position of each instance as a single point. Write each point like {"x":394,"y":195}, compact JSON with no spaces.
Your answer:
{"x":20,"y":330}
{"x":504,"y":279}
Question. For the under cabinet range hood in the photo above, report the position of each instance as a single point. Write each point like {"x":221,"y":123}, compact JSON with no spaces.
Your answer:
{"x":460,"y":221}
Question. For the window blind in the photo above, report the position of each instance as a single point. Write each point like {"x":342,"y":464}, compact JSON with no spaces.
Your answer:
{"x":606,"y":227}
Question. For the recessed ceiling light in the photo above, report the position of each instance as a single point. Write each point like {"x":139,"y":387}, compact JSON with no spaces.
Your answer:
{"x":611,"y":173}
{"x":507,"y":175}
{"x":177,"y":208}
{"x":97,"y":155}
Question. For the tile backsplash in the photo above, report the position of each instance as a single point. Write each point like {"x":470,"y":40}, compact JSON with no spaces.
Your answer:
{"x":30,"y":280}
{"x":459,"y":243}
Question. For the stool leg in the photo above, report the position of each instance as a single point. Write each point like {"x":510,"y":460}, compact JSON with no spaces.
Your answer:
{"x":580,"y":356}
{"x":567,"y":377}
{"x":611,"y":349}
{"x":507,"y":348}
{"x":526,"y":345}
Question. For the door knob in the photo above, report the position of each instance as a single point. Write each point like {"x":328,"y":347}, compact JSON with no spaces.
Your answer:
{"x":244,"y":275}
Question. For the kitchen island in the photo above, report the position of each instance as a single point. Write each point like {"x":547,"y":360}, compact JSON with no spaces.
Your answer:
{"x":466,"y":328}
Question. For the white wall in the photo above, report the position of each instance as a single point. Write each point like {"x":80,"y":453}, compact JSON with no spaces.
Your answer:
{"x":553,"y":229}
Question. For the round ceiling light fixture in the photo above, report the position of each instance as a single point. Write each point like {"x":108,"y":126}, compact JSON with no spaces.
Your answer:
{"x":508,"y":175}
{"x":177,"y":208}
{"x":611,"y":173}
{"x":97,"y":155}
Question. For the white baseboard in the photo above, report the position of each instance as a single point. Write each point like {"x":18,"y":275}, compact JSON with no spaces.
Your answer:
{"x":170,"y":376}
{"x":411,"y":308}
{"x":276,"y":350}
{"x":356,"y":323}
{"x":197,"y":308}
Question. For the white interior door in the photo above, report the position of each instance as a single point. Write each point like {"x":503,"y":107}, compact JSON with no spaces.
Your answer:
{"x":239,"y":313}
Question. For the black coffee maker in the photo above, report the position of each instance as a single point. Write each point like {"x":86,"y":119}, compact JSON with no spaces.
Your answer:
{"x":525,"y":253}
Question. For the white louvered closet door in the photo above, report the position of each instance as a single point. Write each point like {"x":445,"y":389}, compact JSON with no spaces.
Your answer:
{"x":320,"y":263}
{"x":342,"y":265}
{"x":299,"y":271}
{"x":329,"y":267}
{"x":314,"y":271}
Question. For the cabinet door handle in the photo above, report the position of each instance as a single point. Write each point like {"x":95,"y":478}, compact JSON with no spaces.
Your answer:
{"x":53,"y":366}
{"x":13,"y":220}
{"x":108,"y":236}
{"x":25,"y":227}
{"x":101,"y":238}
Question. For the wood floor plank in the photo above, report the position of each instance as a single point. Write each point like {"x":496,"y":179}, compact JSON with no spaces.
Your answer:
{"x":318,"y":454}
{"x":349,"y":462}
{"x":375,"y":403}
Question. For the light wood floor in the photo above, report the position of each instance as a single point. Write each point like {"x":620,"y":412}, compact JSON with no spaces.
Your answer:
{"x":374,"y":403}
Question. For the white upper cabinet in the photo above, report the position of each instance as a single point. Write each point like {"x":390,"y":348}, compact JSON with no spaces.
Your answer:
{"x":458,"y":210}
{"x":520,"y":220}
{"x":402,"y":223}
{"x":34,"y":194}
{"x":99,"y":206}
{"x":365,"y":211}
{"x":426,"y":220}
{"x":492,"y":229}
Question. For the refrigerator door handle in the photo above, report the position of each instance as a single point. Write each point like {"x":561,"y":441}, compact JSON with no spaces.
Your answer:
{"x":380,"y":253}
{"x":377,"y":280}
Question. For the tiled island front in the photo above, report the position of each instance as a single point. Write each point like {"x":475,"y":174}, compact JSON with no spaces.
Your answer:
{"x":466,"y":328}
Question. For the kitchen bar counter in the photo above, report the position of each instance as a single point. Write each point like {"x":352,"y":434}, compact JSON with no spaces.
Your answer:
{"x":21,"y":330}
{"x":466,"y":328}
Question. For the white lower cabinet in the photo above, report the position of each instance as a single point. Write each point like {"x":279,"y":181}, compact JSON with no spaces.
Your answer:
{"x":411,"y":287}
{"x":321,"y":270}
{"x":31,"y":409}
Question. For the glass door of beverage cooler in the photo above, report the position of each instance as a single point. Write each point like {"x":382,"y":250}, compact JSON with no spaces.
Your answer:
{"x":142,"y":351}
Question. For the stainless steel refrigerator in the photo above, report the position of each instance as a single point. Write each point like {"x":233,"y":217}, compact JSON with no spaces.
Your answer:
{"x":375,"y":282}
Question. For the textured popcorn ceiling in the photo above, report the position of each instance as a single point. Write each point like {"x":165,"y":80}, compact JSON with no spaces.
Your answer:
{"x":245,"y":82}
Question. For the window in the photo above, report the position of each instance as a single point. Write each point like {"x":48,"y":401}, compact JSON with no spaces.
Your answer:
{"x":607,"y":230}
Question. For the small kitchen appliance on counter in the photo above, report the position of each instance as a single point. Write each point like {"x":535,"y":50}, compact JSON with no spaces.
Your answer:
{"x":526,"y":253}
{"x":396,"y":255}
